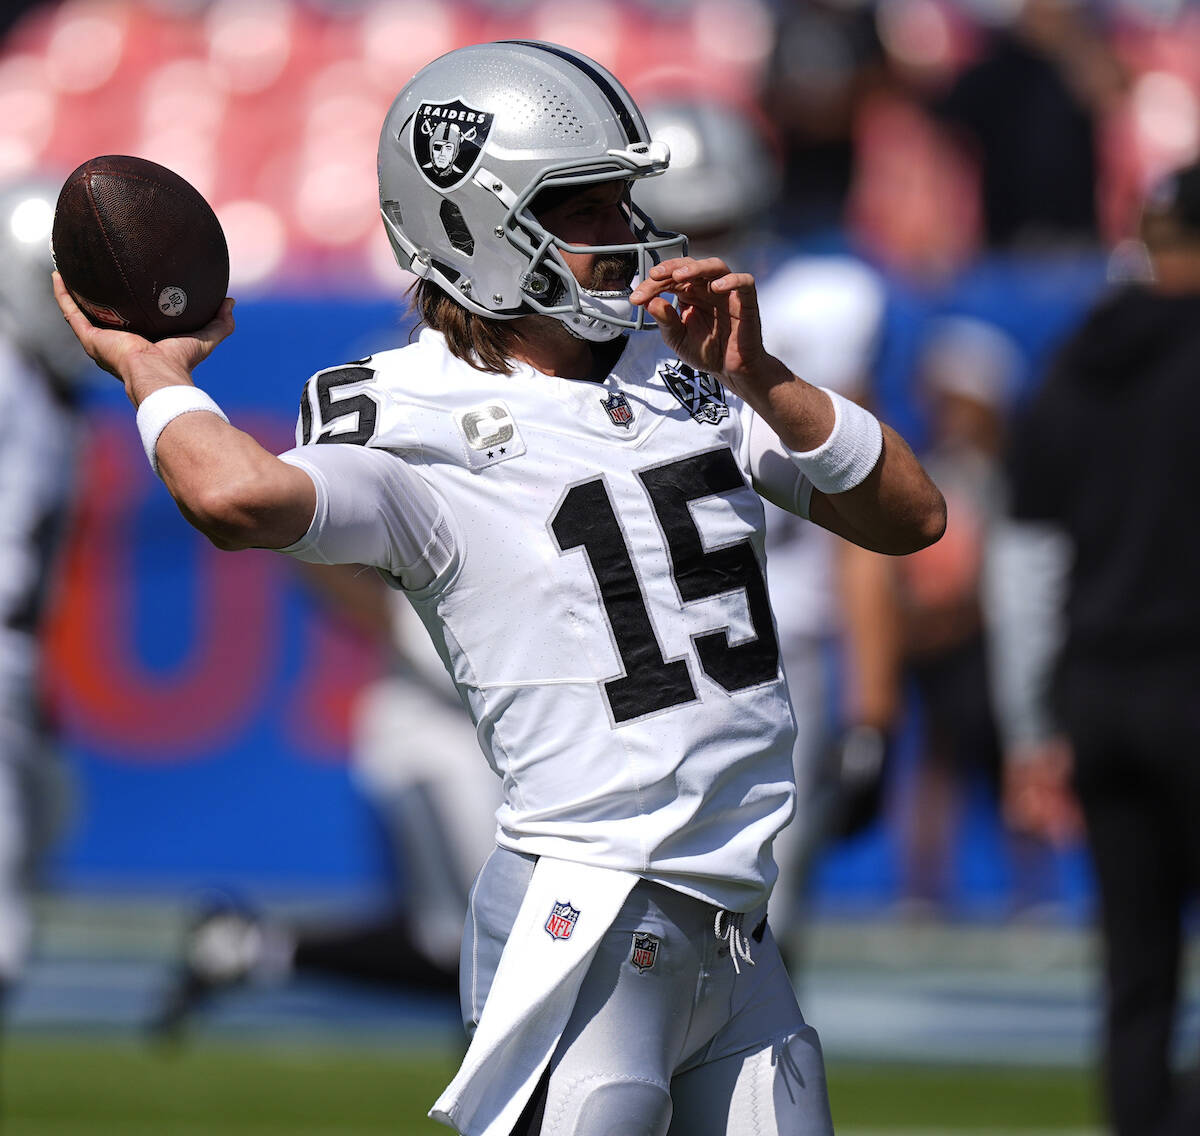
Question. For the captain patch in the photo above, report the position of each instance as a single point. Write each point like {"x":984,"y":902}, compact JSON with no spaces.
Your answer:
{"x":490,"y":433}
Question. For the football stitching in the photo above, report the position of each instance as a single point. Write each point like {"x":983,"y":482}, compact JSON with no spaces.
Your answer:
{"x":103,"y":232}
{"x":176,"y":192}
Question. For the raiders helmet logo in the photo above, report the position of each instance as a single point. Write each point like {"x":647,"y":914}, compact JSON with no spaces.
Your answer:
{"x":701,"y":395}
{"x":447,"y":139}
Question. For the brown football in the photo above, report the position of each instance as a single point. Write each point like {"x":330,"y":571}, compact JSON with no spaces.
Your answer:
{"x":139,"y":248}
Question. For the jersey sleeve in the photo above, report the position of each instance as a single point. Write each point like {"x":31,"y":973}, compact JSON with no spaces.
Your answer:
{"x":773,"y":473}
{"x":374,"y":509}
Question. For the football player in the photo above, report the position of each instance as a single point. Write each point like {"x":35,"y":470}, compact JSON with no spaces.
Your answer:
{"x":570,"y":500}
{"x":41,"y":365}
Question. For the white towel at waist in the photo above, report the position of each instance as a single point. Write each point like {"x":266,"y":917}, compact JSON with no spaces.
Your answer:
{"x":532,"y":995}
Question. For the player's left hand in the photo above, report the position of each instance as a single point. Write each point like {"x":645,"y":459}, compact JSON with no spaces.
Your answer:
{"x":714,"y":324}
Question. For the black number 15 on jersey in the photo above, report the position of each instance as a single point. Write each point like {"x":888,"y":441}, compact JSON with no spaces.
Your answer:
{"x":586,"y":519}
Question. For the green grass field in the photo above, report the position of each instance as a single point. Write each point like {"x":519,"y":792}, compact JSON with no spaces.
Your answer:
{"x":97,"y":1087}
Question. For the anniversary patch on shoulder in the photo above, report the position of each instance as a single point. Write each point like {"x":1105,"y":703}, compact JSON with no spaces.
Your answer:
{"x":701,"y":395}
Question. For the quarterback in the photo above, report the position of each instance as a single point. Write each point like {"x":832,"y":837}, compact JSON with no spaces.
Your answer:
{"x":563,"y":473}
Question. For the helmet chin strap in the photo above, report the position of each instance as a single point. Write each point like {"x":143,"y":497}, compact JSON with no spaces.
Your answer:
{"x":591,"y":324}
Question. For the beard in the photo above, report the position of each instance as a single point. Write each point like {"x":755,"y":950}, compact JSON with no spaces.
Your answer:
{"x":606,"y":269}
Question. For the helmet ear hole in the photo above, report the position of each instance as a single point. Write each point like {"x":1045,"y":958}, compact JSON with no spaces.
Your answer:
{"x":455,"y":225}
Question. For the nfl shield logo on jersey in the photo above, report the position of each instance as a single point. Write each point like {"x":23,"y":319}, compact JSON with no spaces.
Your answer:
{"x":447,"y":139}
{"x":562,"y":921}
{"x":645,"y":951}
{"x":701,"y":395}
{"x":618,"y":409}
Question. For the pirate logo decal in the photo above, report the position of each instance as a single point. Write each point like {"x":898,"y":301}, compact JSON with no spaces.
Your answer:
{"x":562,"y":920}
{"x":700,"y":394}
{"x":447,"y":140}
{"x":645,"y":951}
{"x":619,"y":411}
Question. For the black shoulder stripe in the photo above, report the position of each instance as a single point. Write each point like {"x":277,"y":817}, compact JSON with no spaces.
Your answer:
{"x":306,"y":416}
{"x":632,"y":134}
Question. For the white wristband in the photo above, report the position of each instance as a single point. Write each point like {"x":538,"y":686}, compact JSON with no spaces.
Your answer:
{"x":165,"y":404}
{"x":850,"y":452}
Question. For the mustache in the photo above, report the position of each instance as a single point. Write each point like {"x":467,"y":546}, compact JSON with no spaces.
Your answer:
{"x":621,"y":266}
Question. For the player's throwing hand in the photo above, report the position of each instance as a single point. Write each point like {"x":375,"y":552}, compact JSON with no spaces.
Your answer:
{"x":113,"y":350}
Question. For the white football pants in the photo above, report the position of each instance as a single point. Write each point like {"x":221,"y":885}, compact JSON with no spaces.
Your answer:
{"x":672,"y":1039}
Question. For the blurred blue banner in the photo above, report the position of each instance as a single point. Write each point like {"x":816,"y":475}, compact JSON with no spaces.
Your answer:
{"x":204,"y":696}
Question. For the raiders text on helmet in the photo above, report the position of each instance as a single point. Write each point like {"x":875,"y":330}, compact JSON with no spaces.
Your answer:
{"x":467,"y":146}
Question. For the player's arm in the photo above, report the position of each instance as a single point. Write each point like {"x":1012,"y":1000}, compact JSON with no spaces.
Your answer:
{"x":338,"y":504}
{"x":896,"y":509}
{"x":228,"y":486}
{"x":876,"y":493}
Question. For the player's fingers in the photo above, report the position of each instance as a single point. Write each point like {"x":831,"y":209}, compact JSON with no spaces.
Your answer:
{"x":664,"y":269}
{"x":224,"y":317}
{"x":648,"y":289}
{"x":742,"y":296}
{"x":219,"y":328}
{"x":664,"y":314}
{"x":741,"y":282}
{"x":78,"y":322}
{"x":710,"y":268}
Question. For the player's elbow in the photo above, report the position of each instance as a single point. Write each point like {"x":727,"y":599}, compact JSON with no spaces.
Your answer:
{"x":232,"y":514}
{"x":919,"y":523}
{"x":927,"y":523}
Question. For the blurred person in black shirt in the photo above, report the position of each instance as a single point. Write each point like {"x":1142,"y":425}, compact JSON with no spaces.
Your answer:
{"x":827,"y":56}
{"x":1105,"y":469}
{"x":1027,"y":110}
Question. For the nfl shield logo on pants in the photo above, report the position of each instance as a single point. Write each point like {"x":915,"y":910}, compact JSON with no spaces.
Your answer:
{"x":645,"y":951}
{"x":562,"y":921}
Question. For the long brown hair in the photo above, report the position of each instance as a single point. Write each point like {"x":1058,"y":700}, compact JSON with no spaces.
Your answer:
{"x":486,"y":344}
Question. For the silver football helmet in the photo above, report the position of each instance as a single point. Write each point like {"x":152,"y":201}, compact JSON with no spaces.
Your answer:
{"x":723,"y":176}
{"x":29,"y":315}
{"x":468,"y":145}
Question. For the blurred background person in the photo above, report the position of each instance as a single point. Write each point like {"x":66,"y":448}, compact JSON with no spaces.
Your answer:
{"x":41,"y":371}
{"x":1104,"y":468}
{"x":415,"y":757}
{"x":968,"y":374}
{"x":825,"y":61}
{"x":1028,"y":110}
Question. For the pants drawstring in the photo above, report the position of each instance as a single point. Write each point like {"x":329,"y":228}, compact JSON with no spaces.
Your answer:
{"x":728,"y":926}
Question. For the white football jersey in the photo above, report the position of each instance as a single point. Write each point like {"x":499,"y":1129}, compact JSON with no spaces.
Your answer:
{"x":600,"y":599}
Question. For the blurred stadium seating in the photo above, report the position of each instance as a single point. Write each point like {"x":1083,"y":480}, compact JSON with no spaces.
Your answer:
{"x":272,"y":107}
